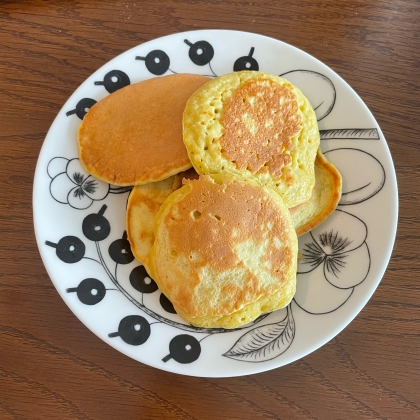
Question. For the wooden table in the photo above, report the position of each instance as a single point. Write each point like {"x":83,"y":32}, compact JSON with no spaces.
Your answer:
{"x":52,"y":367}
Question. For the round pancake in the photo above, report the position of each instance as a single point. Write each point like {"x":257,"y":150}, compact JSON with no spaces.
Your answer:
{"x":134,"y":135}
{"x":225,"y":251}
{"x":324,"y":199}
{"x":256,"y":125}
{"x":143,"y":205}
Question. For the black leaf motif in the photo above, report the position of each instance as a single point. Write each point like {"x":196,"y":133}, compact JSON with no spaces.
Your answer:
{"x":331,"y":239}
{"x":334,"y":263}
{"x":266,"y":342}
{"x":79,"y":193}
{"x":90,"y":186}
{"x":313,"y":254}
{"x":78,"y":178}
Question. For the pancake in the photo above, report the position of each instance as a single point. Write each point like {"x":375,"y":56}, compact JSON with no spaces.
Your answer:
{"x":225,"y":251}
{"x":324,"y":199}
{"x":256,"y":125}
{"x":143,"y":205}
{"x":134,"y":135}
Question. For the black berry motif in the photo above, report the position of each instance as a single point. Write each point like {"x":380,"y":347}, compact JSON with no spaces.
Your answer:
{"x":200,"y":53}
{"x":141,"y":281}
{"x":120,"y":250}
{"x":183,"y":349}
{"x":157,"y":62}
{"x":69,"y":249}
{"x":89,"y":291}
{"x":114,"y":80}
{"x":166,"y":304}
{"x":133,"y":329}
{"x":247,"y":62}
{"x":95,"y":226}
{"x":82,"y":107}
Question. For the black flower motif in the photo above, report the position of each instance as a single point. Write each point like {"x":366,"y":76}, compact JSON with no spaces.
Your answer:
{"x":84,"y":188}
{"x":339,"y":248}
{"x":331,"y":251}
{"x":78,"y":178}
{"x":70,"y":184}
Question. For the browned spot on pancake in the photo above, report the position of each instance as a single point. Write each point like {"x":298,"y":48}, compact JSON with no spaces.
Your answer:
{"x":259,"y":121}
{"x":208,"y":224}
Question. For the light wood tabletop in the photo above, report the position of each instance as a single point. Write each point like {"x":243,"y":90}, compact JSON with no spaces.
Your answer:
{"x":53,"y":367}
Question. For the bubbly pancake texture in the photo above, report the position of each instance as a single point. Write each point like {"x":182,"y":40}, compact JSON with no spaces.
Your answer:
{"x":324,"y":199}
{"x":143,"y":205}
{"x":257,"y":125}
{"x":134,"y":135}
{"x":225,"y":251}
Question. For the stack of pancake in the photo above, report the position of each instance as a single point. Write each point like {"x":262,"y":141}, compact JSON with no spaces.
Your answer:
{"x":227,"y":173}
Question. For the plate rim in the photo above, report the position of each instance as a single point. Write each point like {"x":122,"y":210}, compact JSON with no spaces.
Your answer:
{"x":391,"y":177}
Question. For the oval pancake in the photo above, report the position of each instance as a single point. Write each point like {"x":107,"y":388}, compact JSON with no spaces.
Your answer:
{"x":143,"y":205}
{"x":325,"y":197}
{"x":256,"y":125}
{"x":225,"y":251}
{"x":134,"y":135}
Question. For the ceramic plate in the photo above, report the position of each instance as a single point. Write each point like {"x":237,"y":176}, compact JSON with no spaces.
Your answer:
{"x":109,"y":291}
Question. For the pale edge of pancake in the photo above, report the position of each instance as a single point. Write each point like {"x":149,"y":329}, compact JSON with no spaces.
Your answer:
{"x":325,"y":197}
{"x":248,"y":313}
{"x":142,"y":207}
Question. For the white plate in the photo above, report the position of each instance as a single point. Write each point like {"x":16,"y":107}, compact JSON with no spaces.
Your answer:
{"x":343,"y":260}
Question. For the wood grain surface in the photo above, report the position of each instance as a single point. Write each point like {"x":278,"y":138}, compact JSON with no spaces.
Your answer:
{"x":52,"y":367}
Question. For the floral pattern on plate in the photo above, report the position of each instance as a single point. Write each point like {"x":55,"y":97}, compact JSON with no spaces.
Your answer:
{"x":336,"y":256}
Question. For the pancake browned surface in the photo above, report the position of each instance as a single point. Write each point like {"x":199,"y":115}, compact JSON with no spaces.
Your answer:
{"x":143,"y":206}
{"x":256,"y":125}
{"x":134,"y":136}
{"x":225,"y":251}
{"x":324,"y":199}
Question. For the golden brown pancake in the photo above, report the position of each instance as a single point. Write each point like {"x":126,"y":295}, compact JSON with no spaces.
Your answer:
{"x":324,"y":199}
{"x":225,"y":251}
{"x":134,"y":135}
{"x":256,"y":125}
{"x":143,"y":205}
